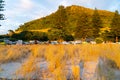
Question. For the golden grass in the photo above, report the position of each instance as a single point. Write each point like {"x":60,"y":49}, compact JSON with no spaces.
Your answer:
{"x":39,"y":30}
{"x":57,"y":56}
{"x":76,"y":72}
{"x":27,"y":68}
{"x":13,"y":53}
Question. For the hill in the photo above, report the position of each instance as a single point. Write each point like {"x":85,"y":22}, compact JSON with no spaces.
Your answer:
{"x":72,"y":15}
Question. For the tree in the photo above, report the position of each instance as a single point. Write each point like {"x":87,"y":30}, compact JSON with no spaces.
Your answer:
{"x":28,"y":35}
{"x":68,"y":37}
{"x":115,"y":25}
{"x":96,"y":23}
{"x":39,"y":36}
{"x":58,"y":34}
{"x":60,"y":20}
{"x":25,"y":35}
{"x":55,"y":34}
{"x":83,"y":28}
{"x":1,"y":9}
{"x":11,"y":32}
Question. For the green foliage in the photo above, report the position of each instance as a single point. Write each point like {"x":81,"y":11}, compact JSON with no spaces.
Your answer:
{"x":27,"y":35}
{"x":73,"y":20}
{"x":68,"y":37}
{"x":115,"y":25}
{"x":99,"y":40}
{"x":107,"y":36}
{"x":40,"y":36}
{"x":59,"y":35}
{"x":83,"y":28}
{"x":55,"y":34}
{"x":60,"y":18}
{"x":60,"y":28}
{"x":96,"y":23}
{"x":1,"y":9}
{"x":72,"y":13}
{"x":2,"y":36}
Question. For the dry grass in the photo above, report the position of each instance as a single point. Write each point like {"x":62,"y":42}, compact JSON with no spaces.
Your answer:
{"x":57,"y":57}
{"x":76,"y":72}
{"x":40,"y":30}
{"x":28,"y":68}
{"x":13,"y":53}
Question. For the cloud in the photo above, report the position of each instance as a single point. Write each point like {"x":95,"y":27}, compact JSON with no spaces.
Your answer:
{"x":26,"y":4}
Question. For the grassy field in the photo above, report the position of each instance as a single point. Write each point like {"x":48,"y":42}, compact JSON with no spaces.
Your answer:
{"x":57,"y":57}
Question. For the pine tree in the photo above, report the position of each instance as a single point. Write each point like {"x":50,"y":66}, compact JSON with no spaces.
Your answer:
{"x":60,"y":20}
{"x":96,"y":23}
{"x":83,"y":29}
{"x":115,"y":25}
{"x":1,"y":9}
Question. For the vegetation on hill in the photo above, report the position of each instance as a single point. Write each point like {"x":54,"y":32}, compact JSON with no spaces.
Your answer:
{"x":75,"y":21}
{"x":72,"y":13}
{"x":115,"y":25}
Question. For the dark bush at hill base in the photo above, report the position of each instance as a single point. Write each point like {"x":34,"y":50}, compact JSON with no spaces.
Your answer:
{"x":68,"y":38}
{"x":27,"y":35}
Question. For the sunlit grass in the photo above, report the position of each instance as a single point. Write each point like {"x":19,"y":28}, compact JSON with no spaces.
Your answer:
{"x":13,"y":53}
{"x":28,"y":67}
{"x":76,"y":72}
{"x":57,"y":57}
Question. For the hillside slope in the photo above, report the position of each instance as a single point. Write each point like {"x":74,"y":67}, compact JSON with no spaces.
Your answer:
{"x":72,"y":15}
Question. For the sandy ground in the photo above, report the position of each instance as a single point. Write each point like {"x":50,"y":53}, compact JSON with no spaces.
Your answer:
{"x":87,"y":73}
{"x":9,"y":69}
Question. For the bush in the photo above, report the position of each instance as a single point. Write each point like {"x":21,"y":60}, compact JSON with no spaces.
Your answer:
{"x":99,"y":40}
{"x":28,"y":35}
{"x":40,"y":36}
{"x":68,"y":38}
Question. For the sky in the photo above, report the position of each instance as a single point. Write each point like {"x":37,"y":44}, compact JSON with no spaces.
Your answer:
{"x":18,"y":12}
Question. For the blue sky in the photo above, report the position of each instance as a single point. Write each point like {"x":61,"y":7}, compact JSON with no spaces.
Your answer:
{"x":18,"y":12}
